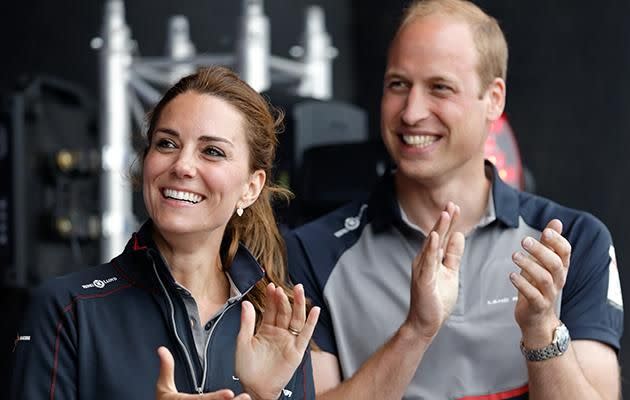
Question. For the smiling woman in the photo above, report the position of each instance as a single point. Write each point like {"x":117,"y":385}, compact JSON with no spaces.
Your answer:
{"x":203,"y":280}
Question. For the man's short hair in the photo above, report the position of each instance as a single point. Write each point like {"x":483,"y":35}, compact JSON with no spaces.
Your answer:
{"x":487,"y":35}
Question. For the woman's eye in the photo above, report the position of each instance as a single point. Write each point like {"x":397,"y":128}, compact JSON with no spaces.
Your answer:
{"x":165,"y":144}
{"x":213,"y":152}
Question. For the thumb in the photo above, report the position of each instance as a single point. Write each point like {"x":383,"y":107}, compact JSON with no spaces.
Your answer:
{"x":248,"y":322}
{"x":166,"y":379}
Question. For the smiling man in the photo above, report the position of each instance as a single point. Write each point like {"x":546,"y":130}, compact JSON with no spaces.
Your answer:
{"x":530,"y":307}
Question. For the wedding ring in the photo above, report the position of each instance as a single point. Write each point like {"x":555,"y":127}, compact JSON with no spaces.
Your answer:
{"x":293,"y":331}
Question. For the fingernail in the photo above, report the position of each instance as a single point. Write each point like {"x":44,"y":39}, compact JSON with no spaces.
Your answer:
{"x":548,"y":233}
{"x":528,"y":242}
{"x":518,"y":256}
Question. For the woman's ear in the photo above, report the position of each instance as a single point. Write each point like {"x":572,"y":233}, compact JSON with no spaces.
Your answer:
{"x":253,"y":188}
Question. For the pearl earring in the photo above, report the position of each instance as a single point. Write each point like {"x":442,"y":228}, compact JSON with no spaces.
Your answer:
{"x":239,"y":211}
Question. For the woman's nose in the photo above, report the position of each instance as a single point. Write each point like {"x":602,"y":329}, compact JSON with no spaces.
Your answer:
{"x":184,"y":166}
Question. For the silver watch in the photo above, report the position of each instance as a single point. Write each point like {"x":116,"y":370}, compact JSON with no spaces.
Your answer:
{"x":557,"y":347}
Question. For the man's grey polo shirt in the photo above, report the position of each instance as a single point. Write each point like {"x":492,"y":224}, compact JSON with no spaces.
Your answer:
{"x":355,"y":263}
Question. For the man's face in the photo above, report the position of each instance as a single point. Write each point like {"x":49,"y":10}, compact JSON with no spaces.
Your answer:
{"x":434,"y":115}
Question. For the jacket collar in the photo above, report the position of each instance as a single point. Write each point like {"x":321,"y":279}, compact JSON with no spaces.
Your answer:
{"x":244,"y":272}
{"x":384,"y":210}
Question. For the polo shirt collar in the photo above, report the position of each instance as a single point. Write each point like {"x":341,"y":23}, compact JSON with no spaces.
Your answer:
{"x":384,"y":210}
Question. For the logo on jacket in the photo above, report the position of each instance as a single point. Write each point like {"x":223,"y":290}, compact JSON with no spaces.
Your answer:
{"x":19,"y":338}
{"x":287,"y":392}
{"x":99,"y":283}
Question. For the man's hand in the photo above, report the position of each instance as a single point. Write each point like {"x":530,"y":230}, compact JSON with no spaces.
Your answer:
{"x":266,"y":361}
{"x":166,"y":389}
{"x":544,"y":266}
{"x":435,"y":276}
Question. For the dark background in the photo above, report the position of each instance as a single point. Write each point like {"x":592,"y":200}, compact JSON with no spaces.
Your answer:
{"x":568,"y":84}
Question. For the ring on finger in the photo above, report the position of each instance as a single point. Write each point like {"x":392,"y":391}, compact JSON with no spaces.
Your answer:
{"x":293,"y":331}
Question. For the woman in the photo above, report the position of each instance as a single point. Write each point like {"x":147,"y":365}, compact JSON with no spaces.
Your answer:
{"x":195,"y":279}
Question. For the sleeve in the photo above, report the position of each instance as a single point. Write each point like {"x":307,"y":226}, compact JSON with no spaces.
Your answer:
{"x":592,"y":305}
{"x":44,"y":357}
{"x":303,"y":387}
{"x":302,"y":270}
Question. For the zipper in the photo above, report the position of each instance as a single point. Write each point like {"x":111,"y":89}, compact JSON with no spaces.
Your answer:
{"x":199,"y":389}
{"x":205,"y":350}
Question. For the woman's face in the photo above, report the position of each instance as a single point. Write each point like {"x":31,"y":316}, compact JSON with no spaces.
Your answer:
{"x":196,"y":172}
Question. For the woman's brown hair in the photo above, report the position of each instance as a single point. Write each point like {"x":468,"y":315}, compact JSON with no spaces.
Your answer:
{"x":256,"y":228}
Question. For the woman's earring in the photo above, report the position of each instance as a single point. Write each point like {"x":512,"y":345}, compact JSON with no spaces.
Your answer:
{"x":239,"y":211}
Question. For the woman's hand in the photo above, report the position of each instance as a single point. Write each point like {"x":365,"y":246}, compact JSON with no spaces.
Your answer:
{"x":166,"y":389}
{"x":266,"y":361}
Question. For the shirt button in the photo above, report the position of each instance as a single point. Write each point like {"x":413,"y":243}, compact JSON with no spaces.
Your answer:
{"x":208,"y":326}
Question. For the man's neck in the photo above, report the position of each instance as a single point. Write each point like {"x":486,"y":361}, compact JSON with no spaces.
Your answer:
{"x":422,"y":202}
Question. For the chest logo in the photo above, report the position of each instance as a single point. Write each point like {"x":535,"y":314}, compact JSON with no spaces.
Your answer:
{"x":19,"y":338}
{"x":97,"y":283}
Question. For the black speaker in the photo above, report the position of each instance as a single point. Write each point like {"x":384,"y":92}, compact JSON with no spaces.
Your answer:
{"x":49,"y":194}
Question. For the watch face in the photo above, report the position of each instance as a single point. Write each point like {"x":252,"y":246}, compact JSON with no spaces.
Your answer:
{"x":562,"y":338}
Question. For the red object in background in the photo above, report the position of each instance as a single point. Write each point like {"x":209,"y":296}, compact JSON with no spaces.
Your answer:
{"x":502,"y":150}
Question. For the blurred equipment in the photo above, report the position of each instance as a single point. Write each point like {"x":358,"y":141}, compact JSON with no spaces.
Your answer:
{"x":309,"y":162}
{"x":130,"y":84}
{"x":49,"y":210}
{"x":335,"y":174}
{"x":502,"y":150}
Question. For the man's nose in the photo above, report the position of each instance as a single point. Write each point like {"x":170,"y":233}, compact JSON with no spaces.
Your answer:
{"x":416,"y":107}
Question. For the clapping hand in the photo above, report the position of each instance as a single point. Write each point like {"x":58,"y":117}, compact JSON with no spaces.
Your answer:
{"x":544,"y":265}
{"x":266,"y":360}
{"x":435,"y":275}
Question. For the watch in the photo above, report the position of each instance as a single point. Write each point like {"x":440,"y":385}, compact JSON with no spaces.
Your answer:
{"x":557,"y":347}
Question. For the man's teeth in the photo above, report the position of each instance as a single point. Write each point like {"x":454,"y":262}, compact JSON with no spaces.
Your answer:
{"x":186,"y":196}
{"x":419,"y":140}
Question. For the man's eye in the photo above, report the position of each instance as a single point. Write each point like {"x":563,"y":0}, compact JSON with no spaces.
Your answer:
{"x":442,"y":88}
{"x":396,"y":85}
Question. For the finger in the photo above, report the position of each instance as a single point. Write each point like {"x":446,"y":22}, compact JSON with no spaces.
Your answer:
{"x":224,"y":394}
{"x":533,"y":296}
{"x":248,"y":322}
{"x":454,"y":213}
{"x":309,"y":327}
{"x":442,"y":224}
{"x":429,"y":266}
{"x":243,"y":396}
{"x":421,"y":255}
{"x":546,"y":258}
{"x":450,"y":210}
{"x":454,"y":251}
{"x":283,"y":318}
{"x":269,"y":315}
{"x":166,"y":378}
{"x":299,"y":308}
{"x":557,"y":243}
{"x":536,"y":274}
{"x":556,"y":225}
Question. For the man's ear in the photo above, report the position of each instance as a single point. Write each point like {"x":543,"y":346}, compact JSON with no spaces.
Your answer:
{"x":253,"y":188}
{"x":496,"y":96}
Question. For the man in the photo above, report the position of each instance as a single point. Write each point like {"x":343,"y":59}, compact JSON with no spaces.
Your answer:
{"x":520,"y":312}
